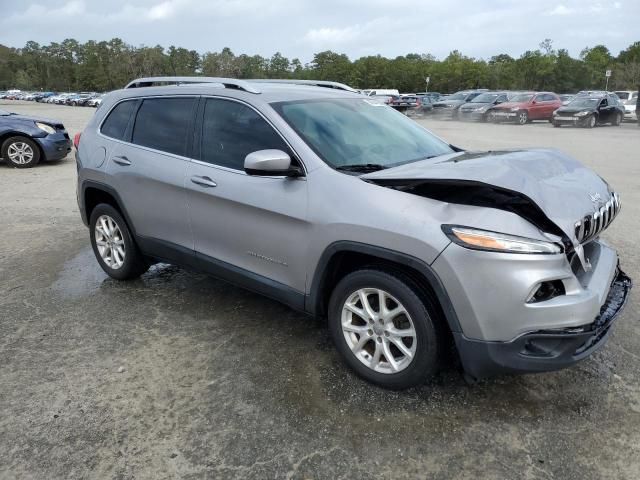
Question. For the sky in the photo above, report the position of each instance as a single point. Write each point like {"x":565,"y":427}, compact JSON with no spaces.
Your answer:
{"x":299,"y":28}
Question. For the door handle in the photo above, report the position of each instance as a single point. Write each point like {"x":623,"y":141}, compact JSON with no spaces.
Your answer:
{"x":204,"y":181}
{"x":124,"y":161}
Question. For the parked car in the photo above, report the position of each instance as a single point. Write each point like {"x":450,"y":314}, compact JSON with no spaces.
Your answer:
{"x":526,"y":107}
{"x":629,"y":99}
{"x":79,"y":100}
{"x":95,"y":101}
{"x":403,"y":103}
{"x":343,"y":209}
{"x":423,"y":107}
{"x":26,"y":140}
{"x":589,"y":111}
{"x":448,"y":105}
{"x":387,"y":92}
{"x":480,"y":107}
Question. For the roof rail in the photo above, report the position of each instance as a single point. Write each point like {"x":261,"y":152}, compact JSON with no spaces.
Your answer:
{"x":315,"y":83}
{"x":226,"y":82}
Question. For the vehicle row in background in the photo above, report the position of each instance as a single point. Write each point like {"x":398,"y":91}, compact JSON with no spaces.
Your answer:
{"x":82,"y":99}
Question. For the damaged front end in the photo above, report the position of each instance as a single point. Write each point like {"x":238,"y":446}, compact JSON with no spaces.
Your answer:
{"x":548,"y":189}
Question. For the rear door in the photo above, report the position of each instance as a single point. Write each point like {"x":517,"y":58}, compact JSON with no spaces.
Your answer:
{"x":252,"y":224}
{"x":148,"y":167}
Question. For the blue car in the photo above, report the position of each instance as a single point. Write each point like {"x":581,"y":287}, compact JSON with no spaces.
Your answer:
{"x":25,"y":141}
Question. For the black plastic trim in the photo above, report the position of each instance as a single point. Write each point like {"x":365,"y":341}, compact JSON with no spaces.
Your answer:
{"x":175,"y":254}
{"x":107,"y":189}
{"x":482,"y":359}
{"x":314,"y":300}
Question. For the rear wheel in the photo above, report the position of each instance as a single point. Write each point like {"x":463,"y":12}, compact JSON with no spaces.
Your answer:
{"x":20,"y":152}
{"x":113,"y":244}
{"x":384,"y":329}
{"x":523,"y":117}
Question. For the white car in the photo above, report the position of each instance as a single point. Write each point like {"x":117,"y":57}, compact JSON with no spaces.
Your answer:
{"x":629,"y":99}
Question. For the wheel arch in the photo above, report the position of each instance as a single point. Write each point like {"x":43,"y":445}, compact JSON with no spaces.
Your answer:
{"x":340,"y":258}
{"x":95,"y":193}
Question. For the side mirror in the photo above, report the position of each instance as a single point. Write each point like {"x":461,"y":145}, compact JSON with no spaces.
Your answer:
{"x":270,"y":163}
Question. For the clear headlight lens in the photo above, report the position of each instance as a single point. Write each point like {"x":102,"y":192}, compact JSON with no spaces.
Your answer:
{"x":582,"y":114}
{"x":476,"y":239}
{"x":515,"y":109}
{"x":46,"y":128}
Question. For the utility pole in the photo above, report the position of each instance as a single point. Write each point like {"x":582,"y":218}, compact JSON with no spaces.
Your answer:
{"x":427,"y":80}
{"x":607,"y":74}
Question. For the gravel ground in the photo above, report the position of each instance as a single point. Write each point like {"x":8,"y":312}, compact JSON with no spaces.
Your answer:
{"x":181,"y":376}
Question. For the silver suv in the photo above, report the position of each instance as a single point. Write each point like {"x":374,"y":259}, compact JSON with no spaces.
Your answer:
{"x":343,"y":208}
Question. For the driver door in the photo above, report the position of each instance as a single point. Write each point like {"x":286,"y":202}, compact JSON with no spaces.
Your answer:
{"x":255,"y":226}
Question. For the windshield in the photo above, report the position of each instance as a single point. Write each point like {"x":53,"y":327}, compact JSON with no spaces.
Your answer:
{"x":485,"y":98}
{"x":584,"y":102}
{"x":357,"y":132}
{"x":523,"y":97}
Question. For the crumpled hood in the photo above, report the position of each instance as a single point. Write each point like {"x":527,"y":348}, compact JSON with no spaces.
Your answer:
{"x":508,"y":105}
{"x":564,"y":190}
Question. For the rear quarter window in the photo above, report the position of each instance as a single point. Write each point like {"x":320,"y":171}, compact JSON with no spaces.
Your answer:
{"x":115,"y":125}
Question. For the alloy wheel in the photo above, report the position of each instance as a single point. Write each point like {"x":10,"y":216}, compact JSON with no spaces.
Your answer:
{"x":110,"y":242}
{"x":20,"y":153}
{"x":378,"y":330}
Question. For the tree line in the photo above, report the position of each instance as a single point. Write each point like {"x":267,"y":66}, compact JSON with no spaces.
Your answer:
{"x":107,"y":65}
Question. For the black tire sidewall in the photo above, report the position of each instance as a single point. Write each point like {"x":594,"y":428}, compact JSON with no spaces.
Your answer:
{"x":36,"y":151}
{"x":425,"y":361}
{"x":133,"y":262}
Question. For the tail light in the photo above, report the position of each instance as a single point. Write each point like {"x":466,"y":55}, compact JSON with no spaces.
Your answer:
{"x":76,"y":139}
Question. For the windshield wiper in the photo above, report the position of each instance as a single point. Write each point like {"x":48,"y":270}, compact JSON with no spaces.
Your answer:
{"x":361,"y":167}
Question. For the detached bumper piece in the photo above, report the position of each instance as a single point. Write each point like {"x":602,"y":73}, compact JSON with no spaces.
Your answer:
{"x":545,"y":350}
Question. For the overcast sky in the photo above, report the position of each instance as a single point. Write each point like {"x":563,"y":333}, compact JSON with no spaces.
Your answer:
{"x":298,"y":28}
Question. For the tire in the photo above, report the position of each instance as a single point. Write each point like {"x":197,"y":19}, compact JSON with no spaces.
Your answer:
{"x":617,"y":121}
{"x":590,"y":121}
{"x":523,"y":117}
{"x":106,"y":237}
{"x":20,"y":152}
{"x":371,"y":342}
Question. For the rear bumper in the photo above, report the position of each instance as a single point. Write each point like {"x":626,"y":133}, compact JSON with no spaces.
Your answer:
{"x":545,"y":350}
{"x":55,"y":146}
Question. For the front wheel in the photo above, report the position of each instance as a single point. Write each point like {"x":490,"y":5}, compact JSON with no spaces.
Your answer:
{"x":384,"y":329}
{"x":523,"y":117}
{"x":113,"y":244}
{"x":20,"y":152}
{"x":590,"y":122}
{"x":617,"y":121}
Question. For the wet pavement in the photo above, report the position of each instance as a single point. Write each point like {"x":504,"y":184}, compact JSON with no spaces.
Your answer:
{"x":177,"y":375}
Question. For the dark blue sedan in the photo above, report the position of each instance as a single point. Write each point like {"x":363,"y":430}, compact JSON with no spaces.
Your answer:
{"x":24,"y":140}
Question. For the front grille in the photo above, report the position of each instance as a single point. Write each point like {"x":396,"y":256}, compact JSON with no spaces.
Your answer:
{"x":592,"y":225}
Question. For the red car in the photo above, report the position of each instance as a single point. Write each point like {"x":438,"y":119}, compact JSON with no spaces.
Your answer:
{"x":526,"y":107}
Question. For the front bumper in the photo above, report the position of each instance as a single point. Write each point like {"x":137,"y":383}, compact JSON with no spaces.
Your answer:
{"x":55,"y":146}
{"x":570,"y":120}
{"x":545,"y":350}
{"x":472,"y":115}
{"x":631,"y":115}
{"x":502,"y":116}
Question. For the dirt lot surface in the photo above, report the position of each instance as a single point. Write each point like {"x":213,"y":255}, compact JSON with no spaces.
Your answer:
{"x":182,"y":376}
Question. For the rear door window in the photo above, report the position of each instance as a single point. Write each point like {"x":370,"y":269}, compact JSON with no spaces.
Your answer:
{"x":115,"y":125}
{"x":163,"y":124}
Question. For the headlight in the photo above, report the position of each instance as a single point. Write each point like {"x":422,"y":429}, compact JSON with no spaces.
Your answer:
{"x":582,"y":114}
{"x":45,"y":128}
{"x":498,"y":242}
{"x":515,"y":109}
{"x":555,"y":112}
